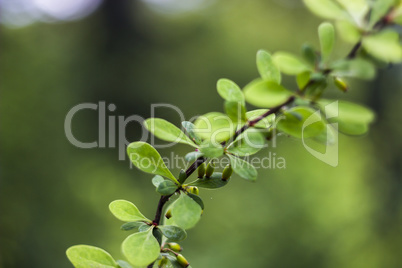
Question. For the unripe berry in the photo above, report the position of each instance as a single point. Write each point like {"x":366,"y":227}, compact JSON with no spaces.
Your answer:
{"x":341,"y":84}
{"x":168,"y":214}
{"x":210,"y":169}
{"x":175,"y":247}
{"x":182,"y":176}
{"x":201,"y":170}
{"x":182,"y":260}
{"x":193,"y":190}
{"x":227,"y":172}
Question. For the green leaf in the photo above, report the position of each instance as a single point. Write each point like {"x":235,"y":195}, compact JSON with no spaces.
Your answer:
{"x":348,"y":31}
{"x":126,"y":211}
{"x":141,"y":249}
{"x":123,"y":264}
{"x":378,"y":10}
{"x":83,"y":256}
{"x":357,"y":9}
{"x":303,"y":79}
{"x":147,"y":159}
{"x":190,"y":128}
{"x":166,"y":131}
{"x":301,"y":122}
{"x":186,"y":212}
{"x":211,"y":149}
{"x":229,"y":91}
{"x":384,"y":46}
{"x":266,"y":67}
{"x":326,"y":33}
{"x":352,"y":119}
{"x":213,"y":182}
{"x":144,"y":228}
{"x":266,"y":122}
{"x":157,"y":180}
{"x":358,"y":68}
{"x":243,"y":168}
{"x":248,"y":143}
{"x":309,"y":54}
{"x":236,"y":111}
{"x":289,"y":64}
{"x":192,"y":156}
{"x":172,"y":232}
{"x":167,"y":187}
{"x":132,"y":225}
{"x":265,"y":93}
{"x":197,"y":199}
{"x":215,"y":126}
{"x":325,"y":8}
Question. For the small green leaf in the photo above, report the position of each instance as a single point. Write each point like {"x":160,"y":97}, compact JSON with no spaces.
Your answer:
{"x":243,"y":168}
{"x":326,"y":9}
{"x":266,"y":122}
{"x":132,"y":225}
{"x":192,"y":156}
{"x":248,"y":143}
{"x":167,"y":187}
{"x":265,"y":93}
{"x":123,"y":264}
{"x":303,"y":79}
{"x":186,"y":212}
{"x":266,"y":67}
{"x":357,"y":9}
{"x":309,"y":55}
{"x":157,"y":180}
{"x":126,"y":211}
{"x":352,"y":119}
{"x":166,"y":131}
{"x":83,"y":256}
{"x":197,"y":199}
{"x":379,"y":9}
{"x":289,"y":64}
{"x":358,"y":68}
{"x":147,"y":159}
{"x":326,"y":33}
{"x":384,"y":46}
{"x":213,"y":182}
{"x":144,"y":228}
{"x":211,"y":149}
{"x":173,"y":233}
{"x":348,"y":31}
{"x":190,"y":128}
{"x":229,"y":91}
{"x":301,"y":122}
{"x":141,"y":249}
{"x":215,"y":126}
{"x":236,"y":111}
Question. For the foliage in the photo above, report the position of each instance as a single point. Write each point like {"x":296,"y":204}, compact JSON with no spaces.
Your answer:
{"x":240,"y":133}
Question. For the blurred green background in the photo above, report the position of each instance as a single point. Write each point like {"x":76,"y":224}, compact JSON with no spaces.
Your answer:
{"x":134,"y":53}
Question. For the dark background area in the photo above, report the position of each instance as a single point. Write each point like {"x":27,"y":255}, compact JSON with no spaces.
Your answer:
{"x":133,"y":54}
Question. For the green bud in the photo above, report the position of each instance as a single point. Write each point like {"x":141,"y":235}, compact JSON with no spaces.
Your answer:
{"x":210,"y":169}
{"x":162,"y":262}
{"x":175,"y":247}
{"x":341,"y":84}
{"x":183,"y":262}
{"x":227,"y":172}
{"x":168,"y":214}
{"x":182,"y":176}
{"x":201,"y":170}
{"x":309,"y":53}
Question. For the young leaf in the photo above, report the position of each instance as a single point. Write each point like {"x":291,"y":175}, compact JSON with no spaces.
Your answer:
{"x":236,"y":111}
{"x":289,"y":64}
{"x":167,"y":187}
{"x":123,"y":264}
{"x":126,"y":211}
{"x":326,"y":33}
{"x":229,"y":91}
{"x":141,"y":249}
{"x":378,"y":10}
{"x":326,"y":9}
{"x":265,"y":93}
{"x":132,"y":225}
{"x":248,"y":143}
{"x":358,"y":68}
{"x":211,"y":149}
{"x":266,"y":67}
{"x":384,"y":46}
{"x":190,"y":128}
{"x":214,"y":126}
{"x":147,"y":159}
{"x":243,"y":168}
{"x":157,"y":180}
{"x":213,"y":182}
{"x":348,"y":31}
{"x":302,"y":79}
{"x":186,"y":212}
{"x":173,"y":233}
{"x":197,"y":199}
{"x":266,"y":122}
{"x":166,"y":131}
{"x":83,"y":256}
{"x":301,"y":122}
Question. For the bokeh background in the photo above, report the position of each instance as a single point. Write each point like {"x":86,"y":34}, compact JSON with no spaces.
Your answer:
{"x":133,"y":53}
